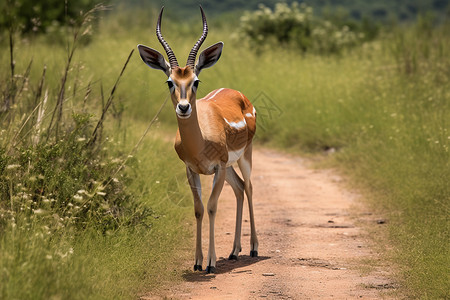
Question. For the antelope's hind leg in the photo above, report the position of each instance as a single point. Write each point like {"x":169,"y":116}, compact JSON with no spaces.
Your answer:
{"x":238,"y":187}
{"x":196,"y":188}
{"x":245,"y":165}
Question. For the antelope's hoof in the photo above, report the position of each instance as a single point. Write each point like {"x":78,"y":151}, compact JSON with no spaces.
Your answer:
{"x":198,"y":268}
{"x":210,"y":270}
{"x":254,"y":253}
{"x":232,"y":257}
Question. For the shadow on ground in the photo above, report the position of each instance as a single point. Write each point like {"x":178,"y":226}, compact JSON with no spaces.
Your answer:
{"x":224,"y":266}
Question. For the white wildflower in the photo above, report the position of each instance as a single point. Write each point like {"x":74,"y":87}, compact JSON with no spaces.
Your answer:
{"x":39,"y":211}
{"x":12,"y":167}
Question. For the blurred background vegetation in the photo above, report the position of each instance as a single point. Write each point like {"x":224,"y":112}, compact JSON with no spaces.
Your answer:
{"x":39,"y":15}
{"x":89,"y":208}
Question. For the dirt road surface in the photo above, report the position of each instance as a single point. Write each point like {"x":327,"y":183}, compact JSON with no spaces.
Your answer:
{"x":311,"y":245}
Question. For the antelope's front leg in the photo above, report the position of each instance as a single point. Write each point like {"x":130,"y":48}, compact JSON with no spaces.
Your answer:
{"x":219,"y":179}
{"x":196,"y":188}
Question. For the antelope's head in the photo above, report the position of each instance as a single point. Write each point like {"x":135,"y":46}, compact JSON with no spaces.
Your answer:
{"x":182,"y":82}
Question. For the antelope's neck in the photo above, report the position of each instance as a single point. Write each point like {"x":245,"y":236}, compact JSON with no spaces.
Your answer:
{"x":191,"y":136}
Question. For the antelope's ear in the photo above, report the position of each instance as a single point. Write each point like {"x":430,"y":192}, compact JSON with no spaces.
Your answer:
{"x":154,"y":59}
{"x":208,"y":57}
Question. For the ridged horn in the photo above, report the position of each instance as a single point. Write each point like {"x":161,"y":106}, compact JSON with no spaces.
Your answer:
{"x":193,"y":54}
{"x":172,"y":59}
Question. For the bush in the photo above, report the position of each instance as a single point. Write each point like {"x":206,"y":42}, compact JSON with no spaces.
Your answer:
{"x":296,"y":26}
{"x":37,"y":16}
{"x":66,"y":183}
{"x":54,"y":166}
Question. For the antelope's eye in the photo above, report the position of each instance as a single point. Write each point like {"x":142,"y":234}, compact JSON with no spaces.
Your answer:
{"x":195,"y":85}
{"x":170,"y":84}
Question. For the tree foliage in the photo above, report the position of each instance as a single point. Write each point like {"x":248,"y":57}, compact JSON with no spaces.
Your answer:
{"x":37,"y":16}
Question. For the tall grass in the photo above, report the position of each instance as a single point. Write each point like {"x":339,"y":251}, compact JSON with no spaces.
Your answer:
{"x":80,"y":217}
{"x":386,"y":113}
{"x":385,"y":110}
{"x":41,"y":262}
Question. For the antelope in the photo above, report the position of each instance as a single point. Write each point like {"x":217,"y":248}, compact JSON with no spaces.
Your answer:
{"x":213,"y":133}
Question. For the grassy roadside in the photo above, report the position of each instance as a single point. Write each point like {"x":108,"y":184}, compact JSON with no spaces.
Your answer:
{"x":40,"y":264}
{"x":72,"y":224}
{"x":386,"y":114}
{"x":390,"y":131}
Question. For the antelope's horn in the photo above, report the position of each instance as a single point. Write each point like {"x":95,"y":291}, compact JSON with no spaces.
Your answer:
{"x":172,"y":59}
{"x":193,"y":54}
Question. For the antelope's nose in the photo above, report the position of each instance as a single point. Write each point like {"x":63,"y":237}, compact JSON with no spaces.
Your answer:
{"x":184,"y":107}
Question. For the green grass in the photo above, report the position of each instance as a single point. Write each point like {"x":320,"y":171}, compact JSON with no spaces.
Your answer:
{"x":73,"y":224}
{"x":390,"y":126}
{"x":41,"y":262}
{"x":391,"y":131}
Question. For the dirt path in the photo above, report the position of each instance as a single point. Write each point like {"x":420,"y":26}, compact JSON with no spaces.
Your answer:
{"x":309,"y":245}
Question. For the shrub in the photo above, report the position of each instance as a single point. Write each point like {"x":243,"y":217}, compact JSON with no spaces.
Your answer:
{"x":54,"y":166}
{"x":38,"y":16}
{"x":66,"y":183}
{"x":296,"y":26}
